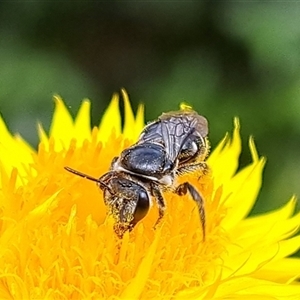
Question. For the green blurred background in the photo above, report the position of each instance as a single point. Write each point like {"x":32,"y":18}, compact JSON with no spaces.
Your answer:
{"x":225,"y":58}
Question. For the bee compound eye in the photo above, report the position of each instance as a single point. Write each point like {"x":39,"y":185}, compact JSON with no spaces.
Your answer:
{"x":190,"y":149}
{"x":142,"y":206}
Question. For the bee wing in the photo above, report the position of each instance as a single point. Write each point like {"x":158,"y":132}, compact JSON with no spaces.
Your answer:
{"x":176,"y":127}
{"x":172,"y":129}
{"x":171,"y":139}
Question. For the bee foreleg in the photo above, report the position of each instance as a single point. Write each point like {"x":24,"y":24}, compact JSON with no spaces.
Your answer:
{"x":185,"y":187}
{"x":160,"y":202}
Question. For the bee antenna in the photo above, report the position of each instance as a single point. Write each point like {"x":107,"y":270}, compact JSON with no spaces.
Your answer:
{"x":82,"y":174}
{"x":86,"y":176}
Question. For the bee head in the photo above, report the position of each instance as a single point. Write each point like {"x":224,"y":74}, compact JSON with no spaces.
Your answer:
{"x":128,"y":201}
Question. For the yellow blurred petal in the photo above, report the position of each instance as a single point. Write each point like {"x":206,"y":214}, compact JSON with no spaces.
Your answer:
{"x":82,"y":122}
{"x":225,"y":158}
{"x":129,"y":122}
{"x":62,"y":125}
{"x":24,"y":146}
{"x":111,"y":120}
{"x":253,"y":150}
{"x":42,"y":135}
{"x":14,"y":152}
{"x":185,"y":106}
{"x":139,"y":121}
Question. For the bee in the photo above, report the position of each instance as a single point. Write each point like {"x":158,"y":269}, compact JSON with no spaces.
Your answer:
{"x":174,"y":144}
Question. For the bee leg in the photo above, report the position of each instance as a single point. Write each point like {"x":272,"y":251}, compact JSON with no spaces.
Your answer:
{"x":185,"y":187}
{"x":200,"y":167}
{"x":160,"y":202}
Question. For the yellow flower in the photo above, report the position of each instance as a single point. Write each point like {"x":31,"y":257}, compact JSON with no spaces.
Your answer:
{"x":57,"y":243}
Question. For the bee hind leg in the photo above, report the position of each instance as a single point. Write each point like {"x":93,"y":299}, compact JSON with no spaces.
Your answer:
{"x":160,"y":202}
{"x":185,"y":187}
{"x":198,"y":167}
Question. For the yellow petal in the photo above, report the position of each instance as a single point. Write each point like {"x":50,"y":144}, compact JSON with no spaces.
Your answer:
{"x":111,"y":120}
{"x":241,"y":192}
{"x":82,"y":122}
{"x":42,"y":135}
{"x":62,"y":125}
{"x":272,"y":226}
{"x":43,"y":209}
{"x":271,"y":217}
{"x":281,"y":271}
{"x":14,"y":152}
{"x":139,"y":121}
{"x":253,"y":150}
{"x":243,"y":288}
{"x":135,"y":287}
{"x":249,"y":258}
{"x":224,"y":159}
{"x":249,"y":288}
{"x":129,"y":122}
